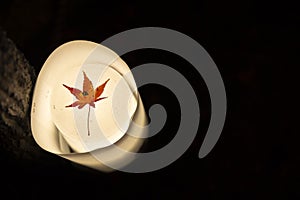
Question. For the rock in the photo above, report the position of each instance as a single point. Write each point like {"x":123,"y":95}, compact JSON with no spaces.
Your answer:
{"x":17,"y":78}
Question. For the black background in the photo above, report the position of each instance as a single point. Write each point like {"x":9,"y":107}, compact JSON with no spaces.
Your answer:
{"x":255,"y":46}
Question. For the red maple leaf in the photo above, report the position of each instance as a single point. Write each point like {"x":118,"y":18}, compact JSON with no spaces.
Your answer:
{"x":87,"y":96}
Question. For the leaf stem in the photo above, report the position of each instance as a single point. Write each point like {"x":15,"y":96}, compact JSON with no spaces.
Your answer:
{"x":88,"y":121}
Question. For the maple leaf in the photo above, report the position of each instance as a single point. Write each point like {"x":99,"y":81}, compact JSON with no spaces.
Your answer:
{"x":87,"y":96}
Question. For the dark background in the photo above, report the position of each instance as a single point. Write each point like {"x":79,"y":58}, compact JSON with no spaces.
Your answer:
{"x":255,"y":46}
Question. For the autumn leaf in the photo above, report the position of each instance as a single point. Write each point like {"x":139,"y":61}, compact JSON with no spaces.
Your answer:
{"x":87,"y":96}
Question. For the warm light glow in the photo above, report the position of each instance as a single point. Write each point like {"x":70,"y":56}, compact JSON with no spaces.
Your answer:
{"x":62,"y":130}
